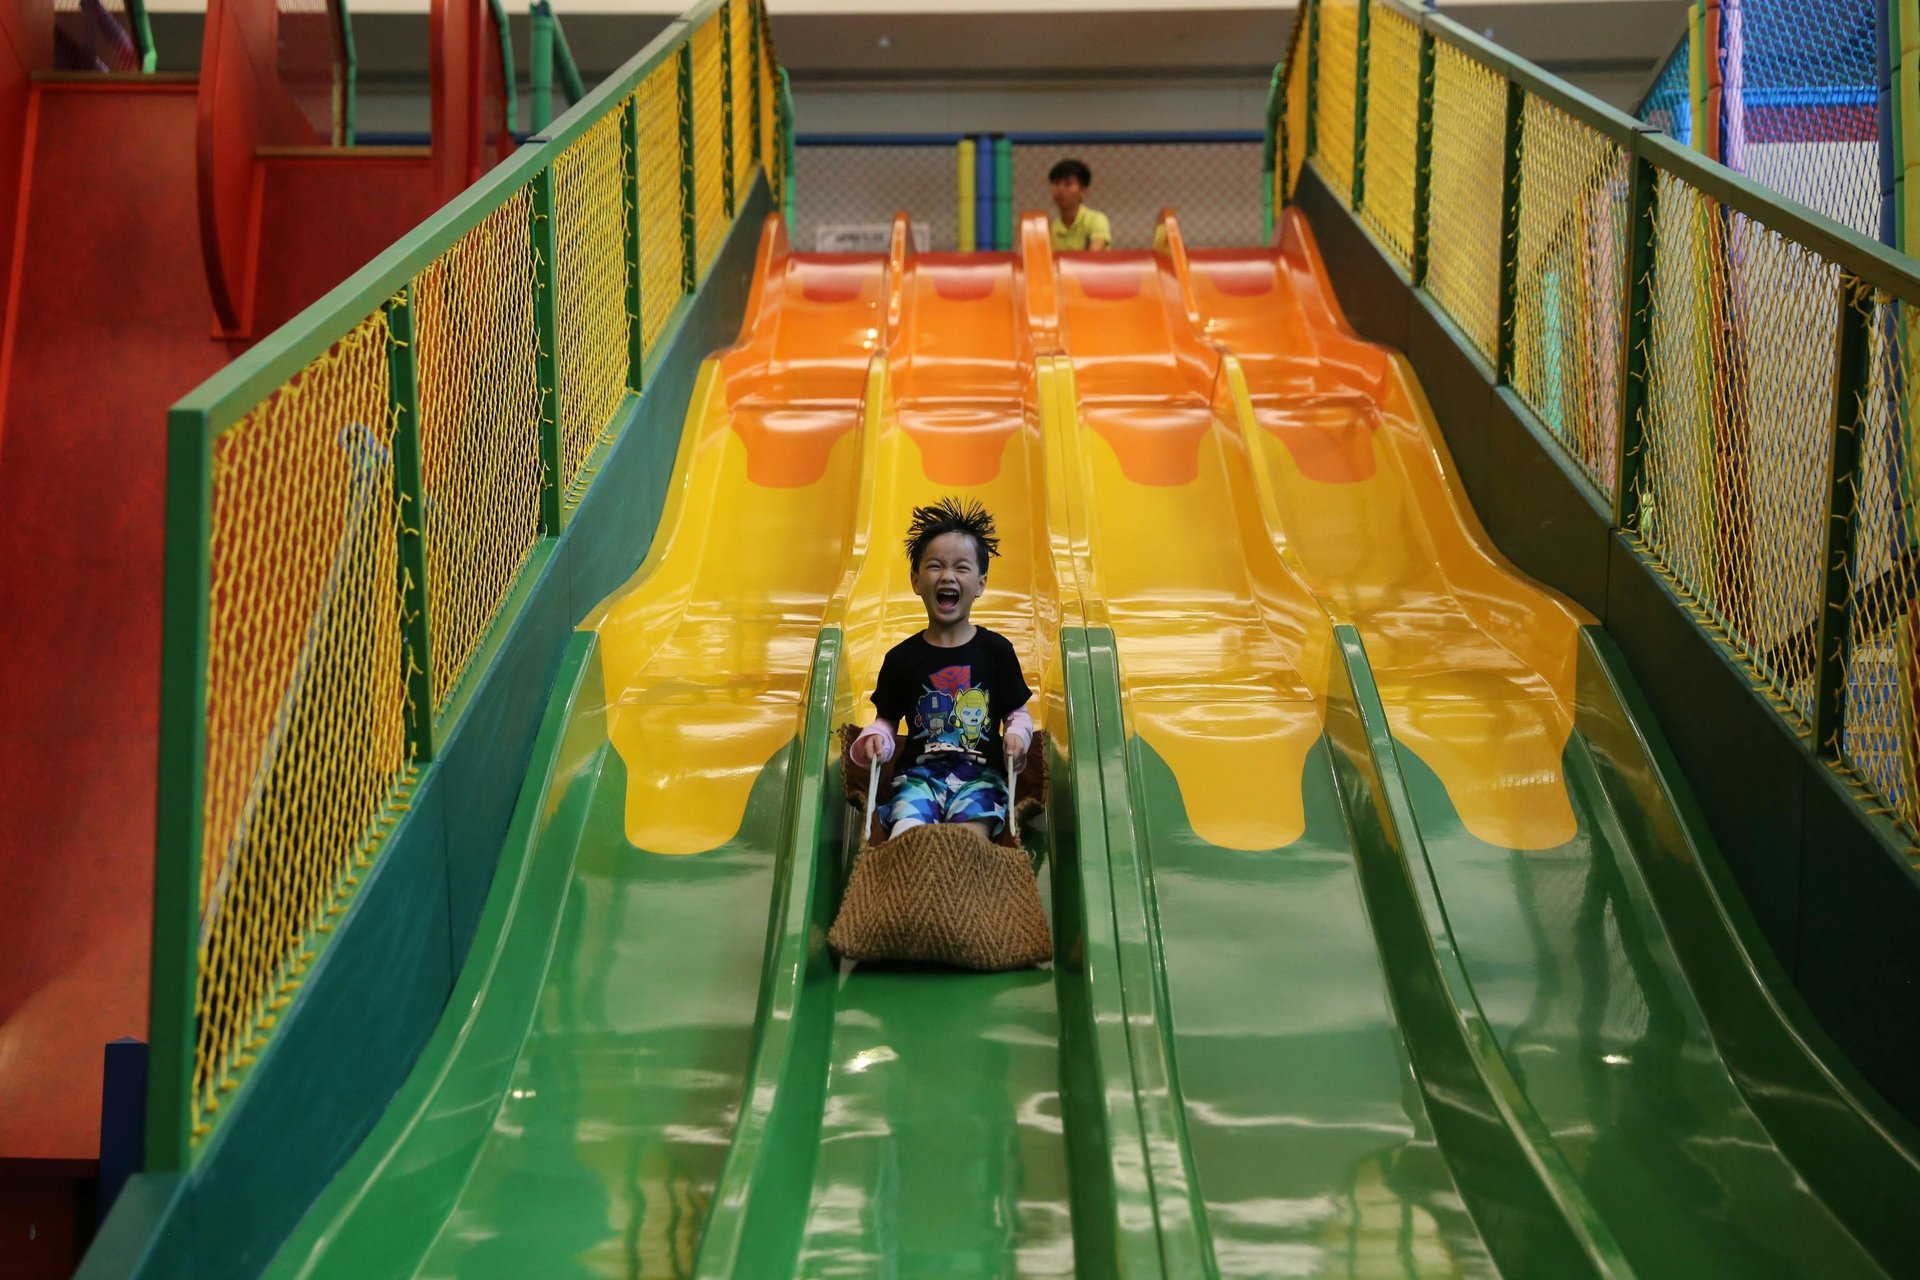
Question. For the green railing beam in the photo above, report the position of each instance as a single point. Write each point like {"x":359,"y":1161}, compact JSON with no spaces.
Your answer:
{"x":689,"y":211}
{"x":547,"y":361}
{"x":540,"y":74}
{"x":1273,"y":151}
{"x":410,"y":522}
{"x":142,"y":36}
{"x":630,"y":187}
{"x":1643,"y":193}
{"x":506,"y":58}
{"x":1359,"y":192}
{"x":787,"y":183}
{"x":1422,"y":162}
{"x":1851,"y":375}
{"x":567,"y":67}
{"x":1510,"y":230}
{"x":349,"y":101}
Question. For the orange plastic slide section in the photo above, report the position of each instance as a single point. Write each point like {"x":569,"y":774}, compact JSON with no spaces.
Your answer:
{"x":108,"y":321}
{"x":1475,"y":661}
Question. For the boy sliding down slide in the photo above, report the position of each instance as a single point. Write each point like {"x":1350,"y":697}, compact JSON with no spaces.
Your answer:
{"x":956,"y":684}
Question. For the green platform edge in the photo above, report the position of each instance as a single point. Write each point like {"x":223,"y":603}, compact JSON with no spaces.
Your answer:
{"x":367,"y":1007}
{"x":1832,"y":890}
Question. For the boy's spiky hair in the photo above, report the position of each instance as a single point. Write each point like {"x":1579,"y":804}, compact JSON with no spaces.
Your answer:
{"x":951,"y":515}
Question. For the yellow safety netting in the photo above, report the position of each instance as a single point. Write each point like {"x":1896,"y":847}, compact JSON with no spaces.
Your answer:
{"x":1878,"y":733}
{"x":1463,"y":233}
{"x":709,"y":143}
{"x":1333,"y":114}
{"x":662,"y":252}
{"x":740,"y":35}
{"x":1736,"y":439}
{"x":1393,"y":114}
{"x":474,"y":350}
{"x":305,"y":699}
{"x":590,"y":304}
{"x":1569,"y":280}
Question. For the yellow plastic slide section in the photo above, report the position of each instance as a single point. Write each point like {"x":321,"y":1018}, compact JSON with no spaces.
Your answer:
{"x":706,"y":649}
{"x":1475,"y":662}
{"x":963,"y":424}
{"x":1223,"y":652}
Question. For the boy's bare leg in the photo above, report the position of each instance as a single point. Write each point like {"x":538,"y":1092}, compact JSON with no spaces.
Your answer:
{"x":984,"y":828}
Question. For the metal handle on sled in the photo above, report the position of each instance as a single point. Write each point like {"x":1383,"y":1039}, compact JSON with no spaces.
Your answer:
{"x":873,"y":790}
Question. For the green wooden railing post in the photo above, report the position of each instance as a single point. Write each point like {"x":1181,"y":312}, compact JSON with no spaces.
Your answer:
{"x":689,"y":212}
{"x":726,"y":105}
{"x":1833,"y":652}
{"x":1273,"y":157}
{"x":540,"y":73}
{"x":547,"y":326}
{"x":1636,"y":335}
{"x":409,"y":498}
{"x":349,"y":74}
{"x":1360,"y":106}
{"x":786,"y":148}
{"x":175,"y":984}
{"x":1422,"y":162}
{"x":753,"y":48}
{"x":630,"y":185}
{"x":1313,"y":77}
{"x":1510,"y":230}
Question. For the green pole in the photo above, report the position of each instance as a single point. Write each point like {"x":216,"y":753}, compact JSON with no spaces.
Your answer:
{"x":1851,"y":376}
{"x":689,"y":217}
{"x":349,"y":87}
{"x":1360,"y":107}
{"x":1643,"y":193}
{"x":564,"y":63}
{"x":1273,"y":153}
{"x":726,"y":106}
{"x":142,"y":35}
{"x":409,"y":497}
{"x":1509,"y":231}
{"x":786,"y":147}
{"x":630,"y":187}
{"x":179,"y":815}
{"x":753,"y":47}
{"x":1002,"y":191}
{"x":1313,"y":75}
{"x":547,"y":360}
{"x":1423,"y":162}
{"x":540,"y":74}
{"x":506,"y":59}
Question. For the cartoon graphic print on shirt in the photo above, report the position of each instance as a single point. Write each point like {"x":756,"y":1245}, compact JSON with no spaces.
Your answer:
{"x":952,"y":714}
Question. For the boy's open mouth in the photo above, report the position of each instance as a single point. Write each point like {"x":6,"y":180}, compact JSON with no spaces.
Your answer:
{"x":947,"y":597}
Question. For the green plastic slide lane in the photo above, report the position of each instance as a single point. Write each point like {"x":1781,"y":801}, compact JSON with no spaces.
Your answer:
{"x":576,"y":1100}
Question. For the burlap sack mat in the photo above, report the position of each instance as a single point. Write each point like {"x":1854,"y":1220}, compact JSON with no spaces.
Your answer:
{"x":944,"y":893}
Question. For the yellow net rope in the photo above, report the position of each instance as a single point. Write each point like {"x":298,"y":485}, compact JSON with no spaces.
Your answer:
{"x":1333,"y":121}
{"x":1878,"y":735}
{"x":590,"y":306}
{"x":1735,"y":440}
{"x":709,"y":143}
{"x":662,"y":252}
{"x":740,"y":33}
{"x":305,"y":701}
{"x":1568,"y":296}
{"x":1393,"y":113}
{"x":1463,"y":235}
{"x":474,"y":356}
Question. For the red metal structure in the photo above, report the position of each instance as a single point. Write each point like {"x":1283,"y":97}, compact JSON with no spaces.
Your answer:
{"x":150,"y":226}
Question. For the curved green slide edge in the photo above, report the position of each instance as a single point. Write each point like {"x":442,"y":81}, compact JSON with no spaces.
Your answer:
{"x":447,"y":1106}
{"x":1853,"y":1149}
{"x":1522,"y":1194}
{"x":1122,"y":1223}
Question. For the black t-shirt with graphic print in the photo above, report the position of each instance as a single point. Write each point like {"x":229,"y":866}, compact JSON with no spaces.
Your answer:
{"x":953,"y":700}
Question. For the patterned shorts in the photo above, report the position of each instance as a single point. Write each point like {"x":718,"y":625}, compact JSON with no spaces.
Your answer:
{"x":963,"y":791}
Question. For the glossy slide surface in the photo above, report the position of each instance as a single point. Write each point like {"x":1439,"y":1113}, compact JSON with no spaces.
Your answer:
{"x":1627,"y":1020}
{"x":576,"y":1101}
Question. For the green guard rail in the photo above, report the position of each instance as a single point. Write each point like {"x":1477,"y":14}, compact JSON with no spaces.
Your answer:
{"x":1696,"y":289}
{"x":355,"y":509}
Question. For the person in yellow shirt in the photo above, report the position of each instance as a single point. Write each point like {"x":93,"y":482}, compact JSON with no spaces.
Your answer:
{"x":1075,"y":226}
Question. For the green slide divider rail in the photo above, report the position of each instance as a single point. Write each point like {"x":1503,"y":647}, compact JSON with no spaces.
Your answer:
{"x":359,"y":511}
{"x":1729,"y":374}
